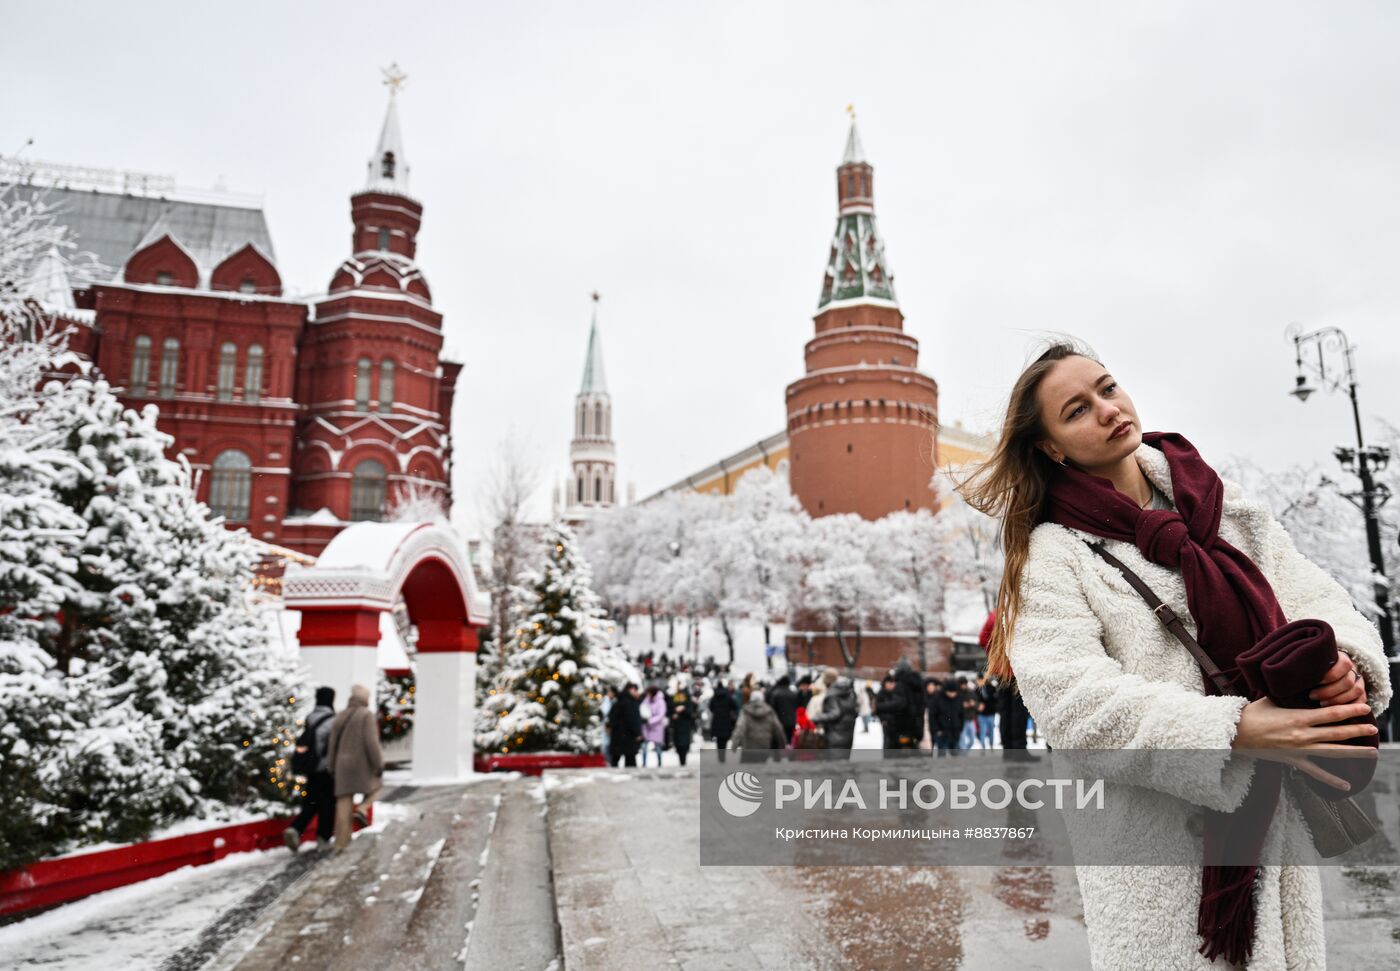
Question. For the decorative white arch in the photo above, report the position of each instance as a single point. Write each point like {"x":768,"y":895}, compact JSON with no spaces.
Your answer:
{"x":361,"y":574}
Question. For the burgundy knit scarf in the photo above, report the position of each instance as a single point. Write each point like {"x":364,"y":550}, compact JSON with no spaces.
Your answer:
{"x":1234,"y":608}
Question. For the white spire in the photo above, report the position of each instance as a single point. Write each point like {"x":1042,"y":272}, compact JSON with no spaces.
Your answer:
{"x":593,"y":379}
{"x":49,"y":283}
{"x":388,"y":166}
{"x":855,"y":151}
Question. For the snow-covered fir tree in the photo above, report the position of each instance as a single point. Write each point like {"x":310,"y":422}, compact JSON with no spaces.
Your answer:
{"x":548,"y":694}
{"x":138,"y":686}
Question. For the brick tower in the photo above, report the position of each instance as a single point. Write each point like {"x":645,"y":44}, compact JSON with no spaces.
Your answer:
{"x":860,"y":421}
{"x":377,"y":397}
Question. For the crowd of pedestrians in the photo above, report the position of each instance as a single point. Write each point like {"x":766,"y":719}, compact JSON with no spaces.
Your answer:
{"x":820,"y":710}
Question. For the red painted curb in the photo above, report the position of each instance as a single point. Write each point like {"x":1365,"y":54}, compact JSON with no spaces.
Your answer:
{"x":534,"y":763}
{"x":68,"y":878}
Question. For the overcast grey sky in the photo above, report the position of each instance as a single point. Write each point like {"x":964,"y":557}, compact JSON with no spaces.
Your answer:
{"x":1172,"y":182}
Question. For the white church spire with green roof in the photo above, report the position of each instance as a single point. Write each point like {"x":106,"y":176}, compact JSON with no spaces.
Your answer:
{"x":592,"y":484}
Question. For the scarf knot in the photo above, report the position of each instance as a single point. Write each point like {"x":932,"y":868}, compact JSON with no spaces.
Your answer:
{"x":1161,"y":535}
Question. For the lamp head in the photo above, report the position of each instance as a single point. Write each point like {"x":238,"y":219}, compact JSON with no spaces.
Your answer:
{"x":1301,"y":390}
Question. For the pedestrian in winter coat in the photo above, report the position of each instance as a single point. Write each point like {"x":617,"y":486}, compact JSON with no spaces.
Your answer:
{"x":724,"y":711}
{"x":784,"y":702}
{"x":838,"y":715}
{"x":946,"y":715}
{"x":319,"y":798}
{"x":969,"y":703}
{"x":910,"y":722}
{"x":654,"y":719}
{"x":683,"y":718}
{"x":625,"y":727}
{"x":819,"y":688}
{"x":986,"y":710}
{"x":1097,"y":668}
{"x":357,"y":763}
{"x":865,"y":694}
{"x":890,"y":703}
{"x":758,"y":730}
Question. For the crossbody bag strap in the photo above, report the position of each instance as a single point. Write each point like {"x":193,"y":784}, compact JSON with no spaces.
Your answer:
{"x":1169,"y":619}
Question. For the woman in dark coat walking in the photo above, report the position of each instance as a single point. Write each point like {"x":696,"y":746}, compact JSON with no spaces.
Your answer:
{"x":838,"y":715}
{"x":724,"y":712}
{"x":625,"y":727}
{"x":946,"y":716}
{"x":684,"y":715}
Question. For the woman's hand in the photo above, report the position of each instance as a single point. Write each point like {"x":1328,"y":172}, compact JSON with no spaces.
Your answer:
{"x":1264,"y":726}
{"x":1341,"y":685}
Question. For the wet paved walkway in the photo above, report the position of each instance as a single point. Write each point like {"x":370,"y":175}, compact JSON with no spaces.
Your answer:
{"x":598,"y":869}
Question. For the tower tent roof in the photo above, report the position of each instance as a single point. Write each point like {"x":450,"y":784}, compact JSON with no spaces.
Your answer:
{"x":593,"y":379}
{"x":855,"y":151}
{"x":388,"y":166}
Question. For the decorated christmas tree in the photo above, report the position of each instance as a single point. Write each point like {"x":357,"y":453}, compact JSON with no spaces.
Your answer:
{"x":557,"y":663}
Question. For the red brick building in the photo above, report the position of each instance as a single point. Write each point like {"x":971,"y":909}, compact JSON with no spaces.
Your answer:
{"x":298,"y":416}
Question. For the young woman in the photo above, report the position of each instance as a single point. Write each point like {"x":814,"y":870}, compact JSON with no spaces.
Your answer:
{"x":1097,"y":670}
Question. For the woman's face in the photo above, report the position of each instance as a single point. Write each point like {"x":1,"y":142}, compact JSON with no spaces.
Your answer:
{"x":1088,"y":419}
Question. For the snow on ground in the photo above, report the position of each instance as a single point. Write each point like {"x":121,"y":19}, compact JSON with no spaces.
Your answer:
{"x":136,"y":926}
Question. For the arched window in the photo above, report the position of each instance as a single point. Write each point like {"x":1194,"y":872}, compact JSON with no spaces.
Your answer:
{"x":384,"y":239}
{"x":387,"y":165}
{"x":228,"y":371}
{"x":598,"y":420}
{"x":169,"y":367}
{"x":252,"y":374}
{"x":386,"y":385}
{"x":580,"y":487}
{"x":367,"y":491}
{"x":140,"y":382}
{"x":598,"y":488}
{"x":230,"y":482}
{"x":362,"y":369}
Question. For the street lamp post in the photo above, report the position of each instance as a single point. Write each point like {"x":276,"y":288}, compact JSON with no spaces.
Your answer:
{"x":1360,"y":460}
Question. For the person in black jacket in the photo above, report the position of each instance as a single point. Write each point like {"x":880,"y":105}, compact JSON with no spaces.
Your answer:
{"x":724,"y":712}
{"x":684,"y":715}
{"x":890,"y":705}
{"x":946,"y":716}
{"x":625,"y":727}
{"x":319,"y":799}
{"x":909,"y":722}
{"x":784,"y":701}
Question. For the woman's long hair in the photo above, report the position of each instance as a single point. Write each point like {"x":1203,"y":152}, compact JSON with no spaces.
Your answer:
{"x":1010,"y":486}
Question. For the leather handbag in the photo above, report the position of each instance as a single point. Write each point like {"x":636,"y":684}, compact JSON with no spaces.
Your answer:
{"x":1337,"y":825}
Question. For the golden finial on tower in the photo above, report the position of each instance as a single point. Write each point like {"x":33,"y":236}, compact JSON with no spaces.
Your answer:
{"x":851,"y":110}
{"x":393,"y":78}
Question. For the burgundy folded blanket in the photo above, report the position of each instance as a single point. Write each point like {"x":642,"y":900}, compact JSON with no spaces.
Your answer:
{"x":1288,"y":663}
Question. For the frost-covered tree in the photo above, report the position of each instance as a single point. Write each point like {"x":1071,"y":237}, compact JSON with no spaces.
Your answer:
{"x":842,"y":586}
{"x":909,"y":560}
{"x":968,"y":543}
{"x":547,"y":697}
{"x":137,"y":685}
{"x":773,"y":523}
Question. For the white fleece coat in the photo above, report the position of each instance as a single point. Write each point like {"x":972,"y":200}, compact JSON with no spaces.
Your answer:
{"x":1097,"y":670}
